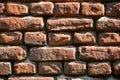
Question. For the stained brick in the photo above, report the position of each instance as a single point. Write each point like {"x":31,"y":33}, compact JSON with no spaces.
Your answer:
{"x":52,"y":54}
{"x":24,"y":68}
{"x":5,"y":68}
{"x":99,"y":69}
{"x":92,"y":9}
{"x":67,"y":9}
{"x":26,"y":23}
{"x":86,"y":38}
{"x":16,"y":9}
{"x":68,"y":24}
{"x":74,"y":68}
{"x":35,"y":38}
{"x":2,"y":7}
{"x":50,"y":68}
{"x":42,"y":8}
{"x":12,"y":53}
{"x":10,"y":37}
{"x":56,"y":39}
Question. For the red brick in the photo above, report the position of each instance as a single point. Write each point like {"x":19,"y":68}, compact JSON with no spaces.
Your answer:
{"x":5,"y":68}
{"x":12,"y":53}
{"x":31,"y":78}
{"x":24,"y":68}
{"x":108,"y":24}
{"x":50,"y":68}
{"x":68,"y":24}
{"x":67,"y":0}
{"x":99,"y":69}
{"x":87,"y":38}
{"x":42,"y":8}
{"x":15,"y":23}
{"x":92,"y":9}
{"x":35,"y":38}
{"x":2,"y":8}
{"x":113,"y":9}
{"x":52,"y":54}
{"x":10,"y":38}
{"x":74,"y":68}
{"x":67,"y":9}
{"x":56,"y":39}
{"x":116,"y":69}
{"x":16,"y":9}
{"x":109,"y":39}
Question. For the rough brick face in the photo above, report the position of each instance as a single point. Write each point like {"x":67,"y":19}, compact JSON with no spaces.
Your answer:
{"x":42,"y":8}
{"x":10,"y":38}
{"x":84,"y":38}
{"x":2,"y":8}
{"x":65,"y":24}
{"x":35,"y":38}
{"x":74,"y":68}
{"x":16,"y":9}
{"x":109,"y":39}
{"x":5,"y":68}
{"x":116,"y":69}
{"x":56,"y":39}
{"x":96,"y":69}
{"x":113,"y":9}
{"x":50,"y":68}
{"x":52,"y":54}
{"x":66,"y":9}
{"x":12,"y":53}
{"x":15,"y":23}
{"x":92,"y":9}
{"x":24,"y":68}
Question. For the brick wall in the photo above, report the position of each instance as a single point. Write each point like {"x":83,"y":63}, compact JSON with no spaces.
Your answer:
{"x":59,"y":40}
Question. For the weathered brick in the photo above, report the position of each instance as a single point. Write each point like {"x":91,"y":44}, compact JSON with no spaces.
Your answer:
{"x":116,"y":68}
{"x":5,"y":68}
{"x":109,"y":39}
{"x":67,"y":0}
{"x":10,"y":38}
{"x":35,"y":38}
{"x":108,"y":24}
{"x":68,"y":24}
{"x":87,"y":38}
{"x":24,"y":68}
{"x":99,"y":69}
{"x":12,"y":53}
{"x":74,"y":68}
{"x":67,"y":9}
{"x":56,"y":39}
{"x":31,"y":78}
{"x":15,"y":23}
{"x":113,"y":9}
{"x":16,"y":9}
{"x":2,"y":8}
{"x":42,"y":8}
{"x":52,"y":54}
{"x":50,"y":68}
{"x":92,"y":9}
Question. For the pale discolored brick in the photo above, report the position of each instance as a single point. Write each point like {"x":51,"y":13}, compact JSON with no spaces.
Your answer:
{"x":24,"y":68}
{"x":2,"y":8}
{"x":74,"y":68}
{"x":56,"y":39}
{"x":10,"y":37}
{"x":42,"y":8}
{"x":52,"y":54}
{"x":50,"y":68}
{"x":99,"y":69}
{"x":87,"y":38}
{"x":5,"y":68}
{"x":35,"y":38}
{"x":69,"y":24}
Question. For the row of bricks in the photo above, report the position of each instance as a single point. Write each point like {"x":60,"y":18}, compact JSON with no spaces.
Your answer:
{"x":85,"y":53}
{"x":55,"y":68}
{"x":59,"y":24}
{"x":60,"y":39}
{"x":61,"y":9}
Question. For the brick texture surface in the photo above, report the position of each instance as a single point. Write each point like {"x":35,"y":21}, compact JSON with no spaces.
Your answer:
{"x":59,"y":40}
